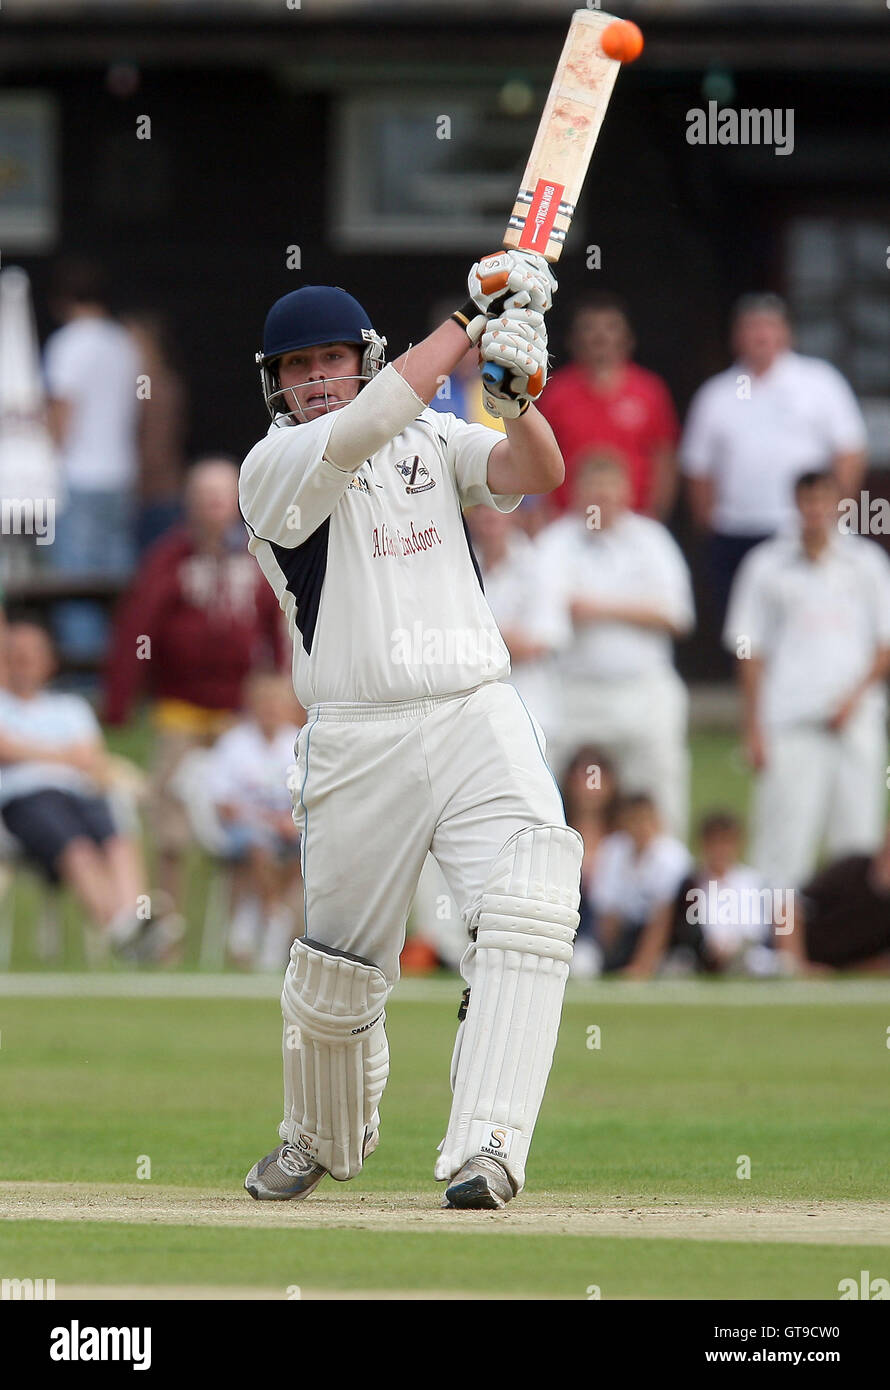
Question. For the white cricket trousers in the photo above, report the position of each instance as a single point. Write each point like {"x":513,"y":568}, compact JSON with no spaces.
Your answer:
{"x":641,"y":722}
{"x":378,"y":786}
{"x":817,"y":787}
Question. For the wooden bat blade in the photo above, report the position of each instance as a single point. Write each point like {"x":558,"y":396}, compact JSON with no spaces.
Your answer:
{"x":567,"y":134}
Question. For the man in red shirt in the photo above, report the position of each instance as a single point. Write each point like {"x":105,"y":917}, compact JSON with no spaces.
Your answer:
{"x":603,"y":403}
{"x":197,"y":619}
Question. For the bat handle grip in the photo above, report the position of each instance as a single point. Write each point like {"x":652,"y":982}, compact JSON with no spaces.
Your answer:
{"x":493,"y":375}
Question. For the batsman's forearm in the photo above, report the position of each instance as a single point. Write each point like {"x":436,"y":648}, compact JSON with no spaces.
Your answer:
{"x":426,"y":366}
{"x":528,"y":460}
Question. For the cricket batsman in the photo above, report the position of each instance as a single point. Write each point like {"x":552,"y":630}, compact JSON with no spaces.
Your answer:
{"x":413,"y":742}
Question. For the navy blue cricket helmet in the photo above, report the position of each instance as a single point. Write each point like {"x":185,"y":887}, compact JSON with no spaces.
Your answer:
{"x":309,"y":317}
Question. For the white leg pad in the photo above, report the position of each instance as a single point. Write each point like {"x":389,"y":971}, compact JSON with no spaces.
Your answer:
{"x":517,"y":973}
{"x":336,"y":1057}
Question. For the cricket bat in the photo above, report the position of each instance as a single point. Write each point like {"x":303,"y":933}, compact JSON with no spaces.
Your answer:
{"x":568,"y":130}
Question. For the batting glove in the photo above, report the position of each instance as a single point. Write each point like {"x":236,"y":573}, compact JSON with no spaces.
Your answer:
{"x":516,"y":342}
{"x":520,"y":279}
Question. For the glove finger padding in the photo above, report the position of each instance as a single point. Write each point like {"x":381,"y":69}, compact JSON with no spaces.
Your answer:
{"x":517,"y":341}
{"x":518,"y":278}
{"x":537,"y":280}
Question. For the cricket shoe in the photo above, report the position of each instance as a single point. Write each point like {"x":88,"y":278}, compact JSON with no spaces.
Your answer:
{"x":482,"y":1184}
{"x":289,"y":1174}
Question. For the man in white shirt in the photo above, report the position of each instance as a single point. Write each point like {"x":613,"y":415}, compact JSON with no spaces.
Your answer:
{"x":613,"y":593}
{"x":755,"y":428}
{"x":809,"y":623}
{"x":53,"y":779}
{"x":413,"y":742}
{"x":91,"y":366}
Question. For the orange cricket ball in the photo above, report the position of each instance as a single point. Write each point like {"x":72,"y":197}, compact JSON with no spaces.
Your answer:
{"x":622,"y":40}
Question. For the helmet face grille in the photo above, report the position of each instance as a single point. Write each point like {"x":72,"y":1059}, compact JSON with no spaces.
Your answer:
{"x":311,"y":317}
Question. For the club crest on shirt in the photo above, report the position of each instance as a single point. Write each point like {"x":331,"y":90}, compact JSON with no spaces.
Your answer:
{"x":415,"y":474}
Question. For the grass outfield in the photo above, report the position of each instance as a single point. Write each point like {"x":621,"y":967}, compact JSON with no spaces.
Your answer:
{"x":633,"y":1186}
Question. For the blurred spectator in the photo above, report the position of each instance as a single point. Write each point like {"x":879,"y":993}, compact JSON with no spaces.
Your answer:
{"x":843,"y":915}
{"x":613,"y":591}
{"x":198,"y":618}
{"x":162,"y":432}
{"x":639,"y":874}
{"x":809,"y":621}
{"x":603,"y":403}
{"x":506,"y":558}
{"x":249,"y":772}
{"x":53,"y":778}
{"x":589,"y":792}
{"x":728,"y":901}
{"x":752,"y":430}
{"x":91,"y":367}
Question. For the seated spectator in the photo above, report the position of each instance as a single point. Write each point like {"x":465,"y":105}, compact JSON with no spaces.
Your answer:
{"x":729,"y":902}
{"x":198,"y":618}
{"x":639,"y":874}
{"x":250,"y":770}
{"x":52,"y":801}
{"x":589,"y":793}
{"x":842,"y":917}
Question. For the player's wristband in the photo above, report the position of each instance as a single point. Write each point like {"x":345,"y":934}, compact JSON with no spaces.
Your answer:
{"x":472,"y":320}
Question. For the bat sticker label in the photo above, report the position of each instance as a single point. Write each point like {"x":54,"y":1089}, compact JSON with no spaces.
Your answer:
{"x":541,"y":215}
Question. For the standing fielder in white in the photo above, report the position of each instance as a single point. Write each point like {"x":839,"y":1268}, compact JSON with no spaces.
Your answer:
{"x":413,"y":741}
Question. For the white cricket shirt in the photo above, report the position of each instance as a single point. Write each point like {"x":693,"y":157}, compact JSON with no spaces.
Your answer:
{"x":93,"y":364}
{"x":816,"y":624}
{"x":635,"y":561}
{"x":373,"y":569}
{"x":798,"y":416}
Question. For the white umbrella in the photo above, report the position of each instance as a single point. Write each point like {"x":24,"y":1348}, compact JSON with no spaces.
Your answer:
{"x":31,"y":486}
